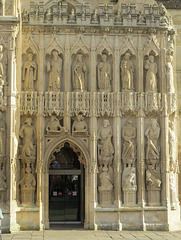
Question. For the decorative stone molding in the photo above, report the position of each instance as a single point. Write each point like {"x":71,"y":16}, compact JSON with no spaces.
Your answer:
{"x":29,"y":103}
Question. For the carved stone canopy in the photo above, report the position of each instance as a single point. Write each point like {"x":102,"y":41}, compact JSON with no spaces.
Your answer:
{"x":71,"y":145}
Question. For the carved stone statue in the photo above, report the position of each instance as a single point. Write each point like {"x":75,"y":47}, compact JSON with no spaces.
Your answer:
{"x":2,"y":136}
{"x":79,"y":125}
{"x":28,"y":184}
{"x":151,"y":74}
{"x":105,"y":179}
{"x":172,"y":139}
{"x":27,"y":133}
{"x":153,"y":178}
{"x":54,"y":126}
{"x":55,"y":71}
{"x":106,"y":147}
{"x":104,"y":74}
{"x":169,"y":74}
{"x":127,"y":73}
{"x":129,"y":178}
{"x":152,"y":150}
{"x":95,"y":17}
{"x":129,"y":148}
{"x":79,"y":74}
{"x":29,"y":73}
{"x":72,"y":16}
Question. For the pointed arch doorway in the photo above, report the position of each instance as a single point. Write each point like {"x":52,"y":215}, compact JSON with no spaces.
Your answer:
{"x":66,"y":185}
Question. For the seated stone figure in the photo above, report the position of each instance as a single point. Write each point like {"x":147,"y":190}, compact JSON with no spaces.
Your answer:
{"x":54,"y":126}
{"x":79,"y":125}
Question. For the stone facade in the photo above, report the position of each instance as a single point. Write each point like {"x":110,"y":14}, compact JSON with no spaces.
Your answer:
{"x":99,"y":77}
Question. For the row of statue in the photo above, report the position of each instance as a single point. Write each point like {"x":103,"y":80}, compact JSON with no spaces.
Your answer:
{"x":106,"y":12}
{"x":104,"y":73}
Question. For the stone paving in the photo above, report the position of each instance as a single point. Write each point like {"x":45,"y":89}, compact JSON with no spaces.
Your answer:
{"x":91,"y":235}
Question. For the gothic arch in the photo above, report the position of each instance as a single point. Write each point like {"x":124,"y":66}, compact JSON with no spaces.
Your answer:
{"x":77,"y":145}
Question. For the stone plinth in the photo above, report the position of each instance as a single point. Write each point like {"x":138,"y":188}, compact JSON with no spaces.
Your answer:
{"x":154,"y":197}
{"x":105,"y":197}
{"x":129,"y":196}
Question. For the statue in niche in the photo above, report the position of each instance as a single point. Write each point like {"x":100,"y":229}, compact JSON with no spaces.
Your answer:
{"x":173,"y":191}
{"x":129,"y":177}
{"x":49,"y":14}
{"x":28,"y":184}
{"x":79,"y":125}
{"x":27,"y":133}
{"x":29,"y":73}
{"x":141,"y":18}
{"x":153,"y":178}
{"x":106,"y":146}
{"x":54,"y":126}
{"x":72,"y":16}
{"x":55,"y":71}
{"x":129,"y":148}
{"x":104,"y":74}
{"x":152,"y":150}
{"x":95,"y":17}
{"x":151,"y":74}
{"x":105,"y":179}
{"x":127,"y":73}
{"x":79,"y":74}
{"x":169,"y":73}
{"x":172,"y":139}
{"x":2,"y":135}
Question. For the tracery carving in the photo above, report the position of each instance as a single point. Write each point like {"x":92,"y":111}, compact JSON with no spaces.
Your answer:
{"x":79,"y":73}
{"x":104,"y":74}
{"x":54,"y":68}
{"x":127,"y":73}
{"x":29,"y":72}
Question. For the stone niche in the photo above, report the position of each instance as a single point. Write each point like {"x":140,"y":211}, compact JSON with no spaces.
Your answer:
{"x":100,"y":77}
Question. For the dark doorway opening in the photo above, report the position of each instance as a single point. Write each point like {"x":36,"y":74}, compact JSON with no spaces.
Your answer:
{"x":66,"y":188}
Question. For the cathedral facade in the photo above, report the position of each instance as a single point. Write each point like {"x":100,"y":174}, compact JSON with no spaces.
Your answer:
{"x":88,"y":115}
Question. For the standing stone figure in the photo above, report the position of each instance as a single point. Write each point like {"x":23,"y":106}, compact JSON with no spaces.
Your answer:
{"x":104,"y":74}
{"x":152,"y":150}
{"x":2,"y":136}
{"x":28,"y":184}
{"x":151,"y":74}
{"x":79,"y":74}
{"x":29,"y":73}
{"x":27,"y":133}
{"x":129,"y":134}
{"x":106,"y":147}
{"x":127,"y":73}
{"x":55,"y":71}
{"x":172,"y":139}
{"x":169,"y":74}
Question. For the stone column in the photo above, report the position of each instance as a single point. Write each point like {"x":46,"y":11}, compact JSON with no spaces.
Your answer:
{"x":12,"y":133}
{"x":140,"y":126}
{"x":164,"y":128}
{"x":67,"y":83}
{"x":117,"y":126}
{"x":40,"y":130}
{"x":93,"y":140}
